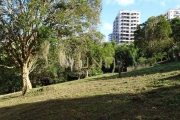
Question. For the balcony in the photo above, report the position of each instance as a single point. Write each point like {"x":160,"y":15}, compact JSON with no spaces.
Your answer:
{"x":125,"y":21}
{"x":124,"y":17}
{"x":125,"y":13}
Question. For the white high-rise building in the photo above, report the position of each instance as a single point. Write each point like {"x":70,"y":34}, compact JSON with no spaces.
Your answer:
{"x":124,"y":26}
{"x":110,"y":37}
{"x":172,"y":13}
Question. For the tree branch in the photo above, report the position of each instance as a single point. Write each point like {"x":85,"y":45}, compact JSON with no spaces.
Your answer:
{"x":9,"y":67}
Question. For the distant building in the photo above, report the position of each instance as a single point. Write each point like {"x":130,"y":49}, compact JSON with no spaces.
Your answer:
{"x":172,"y":13}
{"x":110,"y":37}
{"x":124,"y":26}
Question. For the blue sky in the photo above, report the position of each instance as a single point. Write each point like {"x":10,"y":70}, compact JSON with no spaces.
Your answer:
{"x":148,"y":8}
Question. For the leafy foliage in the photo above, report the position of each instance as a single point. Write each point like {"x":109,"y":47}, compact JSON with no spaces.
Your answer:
{"x":10,"y":81}
{"x":175,"y":26}
{"x":25,"y":25}
{"x":126,"y":55}
{"x":153,"y":36}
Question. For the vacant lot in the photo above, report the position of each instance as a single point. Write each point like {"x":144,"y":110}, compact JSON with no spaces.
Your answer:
{"x":145,"y":94}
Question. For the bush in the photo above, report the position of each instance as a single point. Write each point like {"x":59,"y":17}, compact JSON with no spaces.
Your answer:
{"x":151,"y":61}
{"x":142,"y":61}
{"x":95,"y":71}
{"x":9,"y":81}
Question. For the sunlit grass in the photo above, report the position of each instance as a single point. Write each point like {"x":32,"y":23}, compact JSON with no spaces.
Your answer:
{"x":147,"y":93}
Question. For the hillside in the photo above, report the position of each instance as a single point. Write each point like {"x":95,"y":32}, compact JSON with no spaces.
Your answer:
{"x":146,"y":94}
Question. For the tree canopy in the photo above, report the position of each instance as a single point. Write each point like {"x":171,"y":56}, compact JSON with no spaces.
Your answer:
{"x":175,"y":26}
{"x":153,"y":36}
{"x":26,"y":24}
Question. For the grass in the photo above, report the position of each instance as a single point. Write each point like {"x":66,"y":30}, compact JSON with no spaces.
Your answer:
{"x":146,"y":94}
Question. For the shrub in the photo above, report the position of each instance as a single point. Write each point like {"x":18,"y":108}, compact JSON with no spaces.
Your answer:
{"x":95,"y":71}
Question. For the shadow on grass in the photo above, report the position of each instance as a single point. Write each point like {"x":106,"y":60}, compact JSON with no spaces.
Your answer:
{"x":162,"y":103}
{"x":172,"y":78}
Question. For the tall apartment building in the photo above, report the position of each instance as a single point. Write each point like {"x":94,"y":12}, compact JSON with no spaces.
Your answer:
{"x":124,"y":26}
{"x":110,"y":37}
{"x":172,"y":13}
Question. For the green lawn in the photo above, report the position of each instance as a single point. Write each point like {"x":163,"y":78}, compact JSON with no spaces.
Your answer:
{"x":146,"y":94}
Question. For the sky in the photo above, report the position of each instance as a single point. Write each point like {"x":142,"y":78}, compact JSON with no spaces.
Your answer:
{"x":148,"y":8}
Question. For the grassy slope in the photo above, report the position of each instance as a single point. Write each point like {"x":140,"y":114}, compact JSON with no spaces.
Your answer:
{"x":149,"y":93}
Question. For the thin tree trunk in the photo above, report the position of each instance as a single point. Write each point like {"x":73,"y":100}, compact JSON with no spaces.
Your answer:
{"x":25,"y":77}
{"x":87,"y":69}
{"x":114,"y":65}
{"x":87,"y":73}
{"x":79,"y":75}
{"x":120,"y":68}
{"x":99,"y":65}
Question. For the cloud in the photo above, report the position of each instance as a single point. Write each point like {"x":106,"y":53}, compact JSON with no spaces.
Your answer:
{"x":177,"y":6}
{"x":163,"y":3}
{"x":107,"y":26}
{"x":121,"y":2}
{"x":124,"y":2}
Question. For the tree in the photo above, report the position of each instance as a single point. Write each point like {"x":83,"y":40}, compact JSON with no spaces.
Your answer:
{"x":175,"y":26}
{"x":25,"y":24}
{"x":122,"y":57}
{"x":153,"y":36}
{"x":133,"y":52}
{"x":9,"y":76}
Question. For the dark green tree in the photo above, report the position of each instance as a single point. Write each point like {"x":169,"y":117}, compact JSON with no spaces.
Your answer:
{"x":153,"y":36}
{"x":175,"y":26}
{"x":133,"y":54}
{"x":10,"y":80}
{"x":122,"y":56}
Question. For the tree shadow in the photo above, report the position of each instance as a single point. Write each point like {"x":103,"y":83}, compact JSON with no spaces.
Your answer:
{"x":161,"y":103}
{"x":172,"y":78}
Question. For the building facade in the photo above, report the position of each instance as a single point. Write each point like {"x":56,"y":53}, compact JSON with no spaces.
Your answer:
{"x":110,"y":37}
{"x":172,"y":13}
{"x":124,"y":26}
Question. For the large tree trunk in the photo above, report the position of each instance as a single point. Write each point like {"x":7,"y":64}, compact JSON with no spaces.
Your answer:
{"x":25,"y":77}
